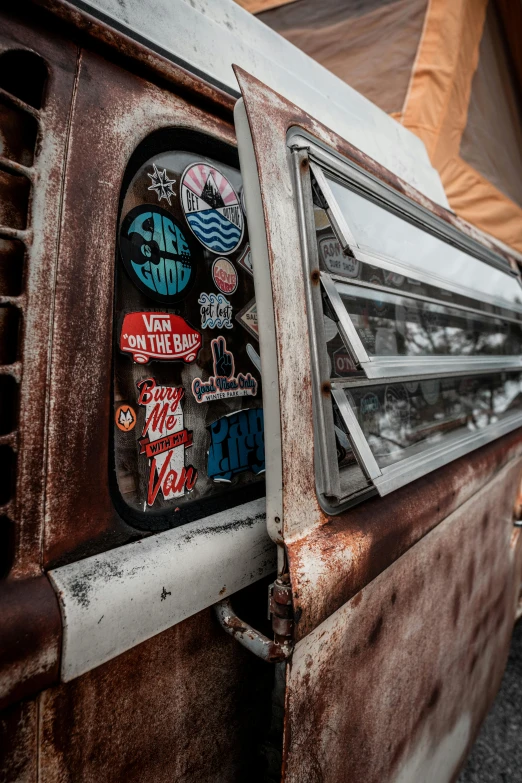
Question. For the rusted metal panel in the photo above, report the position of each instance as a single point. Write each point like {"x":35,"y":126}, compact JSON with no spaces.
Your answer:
{"x":333,"y":562}
{"x":93,"y":33}
{"x":403,"y":606}
{"x":393,"y":686}
{"x":30,"y":634}
{"x":188,"y":705}
{"x":114,"y":111}
{"x":326,"y":565}
{"x":18,"y":738}
{"x":40,"y":240}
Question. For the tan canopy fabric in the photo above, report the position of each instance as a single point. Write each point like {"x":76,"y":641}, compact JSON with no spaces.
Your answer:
{"x":436,"y":109}
{"x":492,"y":138}
{"x":371,"y":45}
{"x":450,"y":70}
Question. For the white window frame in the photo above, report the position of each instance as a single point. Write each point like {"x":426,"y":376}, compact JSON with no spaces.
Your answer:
{"x":309,"y":156}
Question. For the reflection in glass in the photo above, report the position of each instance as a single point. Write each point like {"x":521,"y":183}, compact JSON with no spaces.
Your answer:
{"x":400,"y":419}
{"x":394,"y":325}
{"x":379,"y":231}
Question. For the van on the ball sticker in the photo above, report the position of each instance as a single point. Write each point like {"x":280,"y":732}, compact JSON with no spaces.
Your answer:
{"x":212,"y":208}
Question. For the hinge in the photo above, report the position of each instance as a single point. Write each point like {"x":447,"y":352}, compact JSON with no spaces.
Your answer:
{"x":281,"y":611}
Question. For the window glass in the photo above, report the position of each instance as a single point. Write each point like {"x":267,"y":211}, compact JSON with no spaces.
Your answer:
{"x":380,"y":231}
{"x":188,"y":421}
{"x":401,"y":419}
{"x":379,"y":321}
{"x":393,"y":325}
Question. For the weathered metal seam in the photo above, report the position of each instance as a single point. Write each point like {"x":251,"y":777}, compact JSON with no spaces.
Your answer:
{"x":48,"y":378}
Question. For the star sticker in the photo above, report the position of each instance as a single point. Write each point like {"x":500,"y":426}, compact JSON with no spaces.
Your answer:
{"x":161,"y":184}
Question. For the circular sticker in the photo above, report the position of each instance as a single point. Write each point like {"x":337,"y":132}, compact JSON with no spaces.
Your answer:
{"x":156,"y":254}
{"x":430,"y":391}
{"x":212,"y":208}
{"x":330,"y":328}
{"x":125,"y":418}
{"x":224,"y":275}
{"x":397,"y":405}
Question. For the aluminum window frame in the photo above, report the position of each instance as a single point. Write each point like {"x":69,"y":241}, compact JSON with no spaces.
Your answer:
{"x":309,"y":157}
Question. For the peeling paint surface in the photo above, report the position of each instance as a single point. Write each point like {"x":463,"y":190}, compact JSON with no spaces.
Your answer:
{"x":394,"y":684}
{"x":185,"y":706}
{"x":403,"y":605}
{"x":115,"y":600}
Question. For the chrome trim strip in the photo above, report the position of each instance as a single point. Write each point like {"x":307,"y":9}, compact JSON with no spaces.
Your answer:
{"x":393,"y":265}
{"x":349,"y":334}
{"x":383,"y":367}
{"x":359,"y":443}
{"x":336,"y":217}
{"x":411,"y":468}
{"x":422,"y":298}
{"x":392,"y":200}
{"x":326,"y":469}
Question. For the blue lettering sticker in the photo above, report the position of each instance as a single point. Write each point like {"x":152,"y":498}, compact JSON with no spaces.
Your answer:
{"x":156,"y":254}
{"x":237,"y":444}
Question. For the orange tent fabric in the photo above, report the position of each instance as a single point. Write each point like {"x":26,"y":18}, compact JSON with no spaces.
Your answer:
{"x":436,"y":109}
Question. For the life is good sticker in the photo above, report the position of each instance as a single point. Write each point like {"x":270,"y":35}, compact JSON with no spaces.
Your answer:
{"x":156,"y":254}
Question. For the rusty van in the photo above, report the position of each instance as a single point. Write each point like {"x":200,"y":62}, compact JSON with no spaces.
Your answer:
{"x":261,"y":410}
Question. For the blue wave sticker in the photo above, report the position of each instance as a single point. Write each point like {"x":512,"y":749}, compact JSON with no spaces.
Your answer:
{"x":211,"y":207}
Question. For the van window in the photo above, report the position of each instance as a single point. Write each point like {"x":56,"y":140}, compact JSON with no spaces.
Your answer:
{"x":188,"y":417}
{"x":419,"y":332}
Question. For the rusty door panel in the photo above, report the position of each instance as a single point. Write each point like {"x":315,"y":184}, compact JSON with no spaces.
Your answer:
{"x":187,"y":705}
{"x":114,"y":111}
{"x":393,"y":686}
{"x":342,"y":552}
{"x":404,"y":606}
{"x":18,"y":743}
{"x":373,"y":535}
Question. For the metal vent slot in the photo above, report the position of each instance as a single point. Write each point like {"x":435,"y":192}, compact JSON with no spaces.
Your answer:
{"x":8,"y":406}
{"x":14,"y":199}
{"x":12,"y":258}
{"x":9,"y":332}
{"x":23,"y":75}
{"x":18,"y":131}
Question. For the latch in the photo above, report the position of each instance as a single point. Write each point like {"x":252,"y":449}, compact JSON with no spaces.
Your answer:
{"x":272,"y":650}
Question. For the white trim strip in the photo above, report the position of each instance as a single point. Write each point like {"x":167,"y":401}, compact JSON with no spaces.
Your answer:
{"x":113,"y":601}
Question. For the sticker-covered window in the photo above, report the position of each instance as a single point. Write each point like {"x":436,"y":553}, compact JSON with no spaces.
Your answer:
{"x":188,"y":417}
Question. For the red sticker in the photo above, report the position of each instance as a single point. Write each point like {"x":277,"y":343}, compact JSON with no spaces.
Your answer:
{"x":159,"y":336}
{"x":224,"y":275}
{"x":163,"y":441}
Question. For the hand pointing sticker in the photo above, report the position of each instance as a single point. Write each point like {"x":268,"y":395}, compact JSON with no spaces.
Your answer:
{"x":223,"y":359}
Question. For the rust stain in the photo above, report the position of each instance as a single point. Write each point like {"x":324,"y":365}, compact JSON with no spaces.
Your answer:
{"x":114,"y":111}
{"x":380,"y":678}
{"x":30,"y":638}
{"x":18,"y":756}
{"x":189,"y":704}
{"x":94,"y":34}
